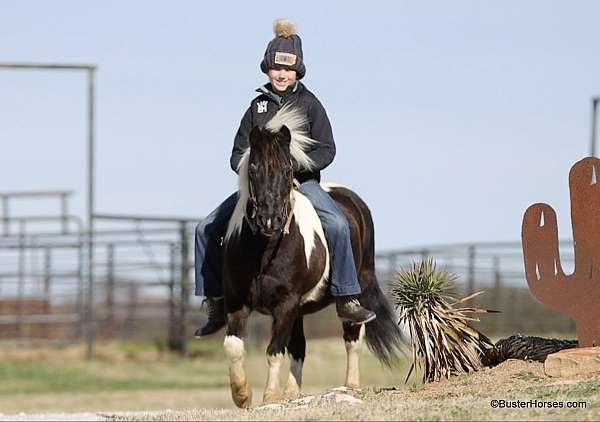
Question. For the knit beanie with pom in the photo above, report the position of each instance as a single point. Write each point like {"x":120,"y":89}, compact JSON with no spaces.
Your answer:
{"x":285,"y":50}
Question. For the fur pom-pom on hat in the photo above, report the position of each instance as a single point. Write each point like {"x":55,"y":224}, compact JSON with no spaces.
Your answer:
{"x":284,"y":28}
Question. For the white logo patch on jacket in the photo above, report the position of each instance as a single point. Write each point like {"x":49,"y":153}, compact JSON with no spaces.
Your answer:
{"x":262,"y":106}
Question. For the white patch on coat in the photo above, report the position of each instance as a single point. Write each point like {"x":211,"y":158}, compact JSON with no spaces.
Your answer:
{"x":320,"y":290}
{"x":328,"y":186}
{"x":309,"y":224}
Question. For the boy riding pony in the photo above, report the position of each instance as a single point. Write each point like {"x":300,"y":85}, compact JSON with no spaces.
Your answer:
{"x":283,"y":63}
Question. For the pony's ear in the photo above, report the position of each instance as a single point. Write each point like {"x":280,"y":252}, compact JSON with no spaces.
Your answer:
{"x":255,"y":136}
{"x":284,"y":135}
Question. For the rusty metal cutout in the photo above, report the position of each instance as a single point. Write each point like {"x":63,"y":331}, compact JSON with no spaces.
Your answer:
{"x":576,"y":295}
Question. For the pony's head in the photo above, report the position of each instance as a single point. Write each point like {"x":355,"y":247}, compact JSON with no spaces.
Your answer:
{"x":266,"y":173}
{"x":270,"y":180}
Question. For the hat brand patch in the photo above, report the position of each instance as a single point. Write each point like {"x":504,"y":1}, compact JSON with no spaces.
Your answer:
{"x":287,"y":59}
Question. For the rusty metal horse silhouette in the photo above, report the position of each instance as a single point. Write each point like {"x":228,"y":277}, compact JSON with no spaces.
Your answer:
{"x":578,"y":294}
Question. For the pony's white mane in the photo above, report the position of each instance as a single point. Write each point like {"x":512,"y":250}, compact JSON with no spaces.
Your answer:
{"x":237,"y":218}
{"x":296,"y":121}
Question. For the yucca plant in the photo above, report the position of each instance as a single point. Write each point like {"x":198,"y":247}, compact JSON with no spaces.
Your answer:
{"x":443,"y":344}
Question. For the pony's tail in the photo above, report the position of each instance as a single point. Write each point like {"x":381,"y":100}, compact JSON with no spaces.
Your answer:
{"x":383,"y":334}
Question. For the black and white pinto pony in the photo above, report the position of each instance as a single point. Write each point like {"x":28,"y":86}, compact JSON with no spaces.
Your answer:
{"x":276,"y":261}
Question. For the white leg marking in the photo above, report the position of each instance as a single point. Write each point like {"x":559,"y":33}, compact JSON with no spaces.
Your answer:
{"x":234,"y":347}
{"x":294,"y":383}
{"x":353,"y":349}
{"x":272,"y":387}
{"x":240,"y":391}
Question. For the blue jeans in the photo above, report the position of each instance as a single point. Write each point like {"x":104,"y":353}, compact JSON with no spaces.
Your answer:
{"x":210,"y":230}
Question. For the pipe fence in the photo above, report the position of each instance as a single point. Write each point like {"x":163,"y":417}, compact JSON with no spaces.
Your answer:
{"x":143,"y":275}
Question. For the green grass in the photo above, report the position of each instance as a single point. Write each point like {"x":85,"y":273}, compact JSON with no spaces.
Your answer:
{"x":37,"y":377}
{"x":119,"y":366}
{"x":61,"y":378}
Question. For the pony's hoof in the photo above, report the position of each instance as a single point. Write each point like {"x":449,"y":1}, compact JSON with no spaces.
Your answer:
{"x":291,"y":392}
{"x":242,"y":396}
{"x":270,"y":397}
{"x":352,"y":386}
{"x":291,"y":395}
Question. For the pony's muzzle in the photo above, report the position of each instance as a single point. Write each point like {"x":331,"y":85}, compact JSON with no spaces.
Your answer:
{"x":269,"y":225}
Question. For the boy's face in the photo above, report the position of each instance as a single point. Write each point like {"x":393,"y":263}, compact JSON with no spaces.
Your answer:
{"x":281,"y":78}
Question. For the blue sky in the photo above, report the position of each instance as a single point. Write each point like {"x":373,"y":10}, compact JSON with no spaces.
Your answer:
{"x":450,"y":117}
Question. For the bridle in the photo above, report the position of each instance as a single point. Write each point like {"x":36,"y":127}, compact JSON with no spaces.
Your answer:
{"x":288,"y":212}
{"x":273,"y":244}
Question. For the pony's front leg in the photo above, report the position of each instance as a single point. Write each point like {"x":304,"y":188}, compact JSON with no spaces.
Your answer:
{"x":281,"y":332}
{"x":353,"y":338}
{"x":234,"y":349}
{"x":296,"y":351}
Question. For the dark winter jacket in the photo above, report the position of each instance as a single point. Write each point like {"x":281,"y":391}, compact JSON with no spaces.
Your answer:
{"x":264,"y":107}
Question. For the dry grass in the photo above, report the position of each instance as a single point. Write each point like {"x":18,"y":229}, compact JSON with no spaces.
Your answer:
{"x":466,"y":397}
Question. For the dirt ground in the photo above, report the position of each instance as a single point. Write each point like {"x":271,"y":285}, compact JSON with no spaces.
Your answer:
{"x":467,"y":397}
